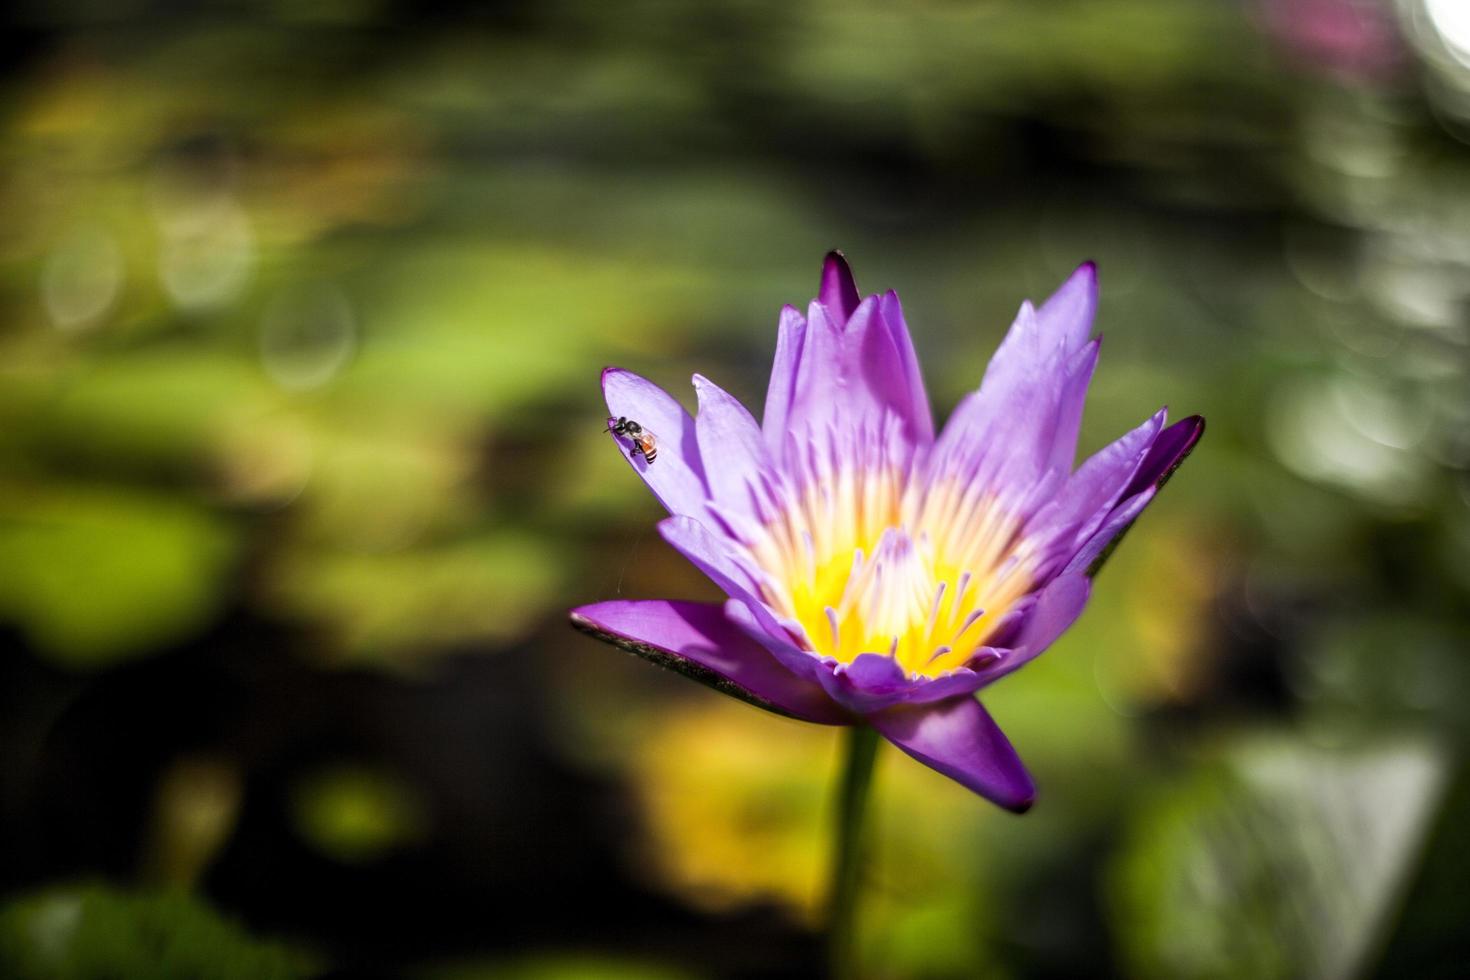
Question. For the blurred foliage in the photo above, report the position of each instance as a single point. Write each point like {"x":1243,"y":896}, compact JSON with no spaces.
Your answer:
{"x":558,"y":967}
{"x":196,"y":805}
{"x":356,"y":815}
{"x":93,"y":932}
{"x":301,"y":316}
{"x":156,"y":576}
{"x":1279,"y":861}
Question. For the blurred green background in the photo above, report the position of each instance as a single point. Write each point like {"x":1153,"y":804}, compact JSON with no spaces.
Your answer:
{"x":302,"y":309}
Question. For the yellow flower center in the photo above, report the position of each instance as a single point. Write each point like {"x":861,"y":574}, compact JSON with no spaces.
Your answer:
{"x":870,"y":562}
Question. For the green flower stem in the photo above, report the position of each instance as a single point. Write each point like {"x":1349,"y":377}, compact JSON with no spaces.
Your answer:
{"x":860,"y":750}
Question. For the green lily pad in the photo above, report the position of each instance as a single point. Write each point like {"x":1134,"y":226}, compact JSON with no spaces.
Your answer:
{"x":95,"y":932}
{"x":94,"y":576}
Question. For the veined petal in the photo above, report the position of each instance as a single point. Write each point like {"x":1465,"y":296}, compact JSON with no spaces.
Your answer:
{"x":1166,"y":455}
{"x":1057,"y":607}
{"x":1100,"y":482}
{"x":697,"y":640}
{"x":1017,"y":435}
{"x":870,"y":683}
{"x":726,"y":432}
{"x":1036,"y":345}
{"x":790,"y":342}
{"x":1089,"y":495}
{"x":874,"y":682}
{"x":959,"y":738}
{"x":1069,"y":406}
{"x":694,"y":541}
{"x":884,"y":353}
{"x":801,"y":663}
{"x":1096,"y":549}
{"x":917,"y":411}
{"x":677,"y":476}
{"x":852,"y":363}
{"x":1070,"y":310}
{"x":822,"y":376}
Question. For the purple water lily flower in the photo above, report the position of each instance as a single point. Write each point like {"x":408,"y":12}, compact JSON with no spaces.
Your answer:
{"x":877,"y":573}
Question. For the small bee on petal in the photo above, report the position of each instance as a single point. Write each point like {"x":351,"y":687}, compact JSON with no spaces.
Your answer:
{"x":645,"y":443}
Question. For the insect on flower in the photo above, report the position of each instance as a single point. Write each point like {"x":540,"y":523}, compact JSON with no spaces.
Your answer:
{"x":877,"y":572}
{"x":645,"y":443}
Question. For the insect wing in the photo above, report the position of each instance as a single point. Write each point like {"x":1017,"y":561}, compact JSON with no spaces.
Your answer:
{"x":647,"y":444}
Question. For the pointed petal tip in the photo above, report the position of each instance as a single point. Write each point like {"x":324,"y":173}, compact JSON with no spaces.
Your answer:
{"x":1021,"y":804}
{"x":1072,"y":309}
{"x":959,"y":739}
{"x":612,"y":373}
{"x":705,"y":391}
{"x":838,"y":290}
{"x":1172,"y":447}
{"x":1191,"y":429}
{"x":1018,"y":798}
{"x":1083,"y":277}
{"x":672,"y":524}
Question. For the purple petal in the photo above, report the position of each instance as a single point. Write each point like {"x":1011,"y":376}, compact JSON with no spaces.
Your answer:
{"x":1090,"y":494}
{"x":872,"y":681}
{"x":1100,"y":482}
{"x":1006,"y":632}
{"x":1039,"y":345}
{"x":1070,"y":405}
{"x":1016,"y":437}
{"x":676,"y":477}
{"x":960,"y":680}
{"x":959,"y":739}
{"x":1096,"y":549}
{"x":802,"y":663}
{"x":790,"y":342}
{"x":694,"y":541}
{"x":875,"y":681}
{"x":1165,"y":456}
{"x":727,"y":433}
{"x":1070,"y":310}
{"x":1057,"y":607}
{"x":852,"y":365}
{"x":839,"y":291}
{"x":916,"y":409}
{"x":822,"y":378}
{"x":879,"y":345}
{"x":697,"y":640}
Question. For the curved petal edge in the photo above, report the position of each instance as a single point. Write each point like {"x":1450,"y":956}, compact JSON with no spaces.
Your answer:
{"x":696,"y":639}
{"x":959,"y":739}
{"x":1164,"y":458}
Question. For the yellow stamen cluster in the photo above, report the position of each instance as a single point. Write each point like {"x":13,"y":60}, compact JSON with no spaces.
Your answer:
{"x":870,"y":561}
